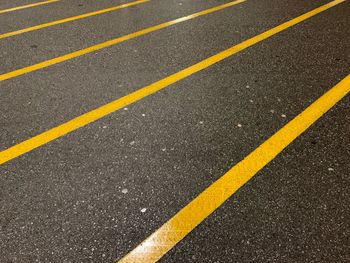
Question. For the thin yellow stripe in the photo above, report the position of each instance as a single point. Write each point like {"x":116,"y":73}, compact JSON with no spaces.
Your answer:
{"x":27,"y":6}
{"x":112,"y":42}
{"x":76,"y":123}
{"x":69,"y":19}
{"x":173,"y":231}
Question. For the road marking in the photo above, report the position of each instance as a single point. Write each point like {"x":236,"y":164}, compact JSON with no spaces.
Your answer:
{"x":112,"y":42}
{"x":27,"y":6}
{"x":96,"y":114}
{"x":189,"y":217}
{"x":69,"y":19}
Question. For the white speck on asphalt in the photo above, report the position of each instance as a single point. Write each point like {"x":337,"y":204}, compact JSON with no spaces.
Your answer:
{"x":251,"y":101}
{"x":104,"y":127}
{"x":239,"y":125}
{"x":125,"y":108}
{"x":143,"y":210}
{"x":143,"y":115}
{"x":272,"y":111}
{"x":132,"y":143}
{"x":330,"y":169}
{"x":164,"y":149}
{"x":283,"y":116}
{"x":125,"y":191}
{"x":201,"y":122}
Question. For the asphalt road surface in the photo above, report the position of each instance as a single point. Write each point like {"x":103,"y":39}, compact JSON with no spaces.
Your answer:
{"x":174,"y":131}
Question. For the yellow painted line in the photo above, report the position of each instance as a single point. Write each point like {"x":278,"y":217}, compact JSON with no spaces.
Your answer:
{"x":173,"y":231}
{"x":96,"y":114}
{"x":112,"y":42}
{"x":27,"y":6}
{"x":69,"y":19}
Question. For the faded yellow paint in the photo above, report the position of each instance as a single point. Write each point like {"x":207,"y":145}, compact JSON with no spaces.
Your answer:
{"x":69,"y":19}
{"x":112,"y":42}
{"x":27,"y":6}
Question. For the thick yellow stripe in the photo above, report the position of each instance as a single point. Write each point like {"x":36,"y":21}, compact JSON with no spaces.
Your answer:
{"x":69,"y":19}
{"x":173,"y":231}
{"x":112,"y":42}
{"x":61,"y":130}
{"x":27,"y":6}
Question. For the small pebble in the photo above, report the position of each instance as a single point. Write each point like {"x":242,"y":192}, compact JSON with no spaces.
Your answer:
{"x":143,"y":210}
{"x":283,"y":116}
{"x":330,"y":169}
{"x":239,"y":125}
{"x":125,"y":191}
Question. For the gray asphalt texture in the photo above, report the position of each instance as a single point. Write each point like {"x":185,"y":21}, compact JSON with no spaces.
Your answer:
{"x":79,"y":198}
